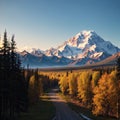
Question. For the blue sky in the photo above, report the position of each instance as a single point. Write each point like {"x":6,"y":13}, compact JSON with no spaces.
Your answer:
{"x":48,"y":23}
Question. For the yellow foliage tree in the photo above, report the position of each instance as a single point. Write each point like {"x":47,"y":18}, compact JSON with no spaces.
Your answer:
{"x":72,"y":84}
{"x":64,"y":84}
{"x":35,"y":88}
{"x":84,"y":88}
{"x":118,"y":102}
{"x":31,"y":90}
{"x":105,"y":98}
{"x":95,"y":79}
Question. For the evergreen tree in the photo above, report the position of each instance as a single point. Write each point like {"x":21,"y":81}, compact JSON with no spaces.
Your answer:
{"x":5,"y":62}
{"x":13,"y":90}
{"x":118,"y":83}
{"x":118,"y":68}
{"x":13,"y":54}
{"x":0,"y":80}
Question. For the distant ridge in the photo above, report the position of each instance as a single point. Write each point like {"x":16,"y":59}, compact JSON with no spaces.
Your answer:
{"x":110,"y":60}
{"x":84,"y":48}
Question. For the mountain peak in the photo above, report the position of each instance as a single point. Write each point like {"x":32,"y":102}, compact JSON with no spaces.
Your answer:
{"x":85,"y":43}
{"x":85,"y":47}
{"x":85,"y":33}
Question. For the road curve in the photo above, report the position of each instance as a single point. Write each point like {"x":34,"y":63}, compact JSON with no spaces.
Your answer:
{"x":63,"y":112}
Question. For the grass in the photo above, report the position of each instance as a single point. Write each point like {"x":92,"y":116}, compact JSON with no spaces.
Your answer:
{"x":87,"y":112}
{"x":42,"y":110}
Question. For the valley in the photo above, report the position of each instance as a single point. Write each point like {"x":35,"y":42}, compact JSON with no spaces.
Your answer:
{"x":29,"y":91}
{"x":59,"y":59}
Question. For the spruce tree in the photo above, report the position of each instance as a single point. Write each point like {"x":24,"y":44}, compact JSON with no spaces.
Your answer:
{"x":118,"y":81}
{"x":13,"y":90}
{"x":6,"y":75}
{"x":13,"y":54}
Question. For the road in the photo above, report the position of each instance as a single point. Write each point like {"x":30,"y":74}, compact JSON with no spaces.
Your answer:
{"x":63,"y":112}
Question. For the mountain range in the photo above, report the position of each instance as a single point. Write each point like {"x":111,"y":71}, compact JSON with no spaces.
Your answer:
{"x":84,"y":48}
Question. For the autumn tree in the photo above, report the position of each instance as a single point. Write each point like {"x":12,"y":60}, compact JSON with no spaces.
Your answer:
{"x":64,"y":84}
{"x":105,"y":98}
{"x":84,"y":88}
{"x":72,"y":80}
{"x":95,"y":79}
{"x":31,"y":91}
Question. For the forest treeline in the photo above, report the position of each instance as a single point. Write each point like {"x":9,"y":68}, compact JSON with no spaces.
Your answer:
{"x":95,"y":91}
{"x":99,"y":91}
{"x":13,"y":90}
{"x":19,"y":87}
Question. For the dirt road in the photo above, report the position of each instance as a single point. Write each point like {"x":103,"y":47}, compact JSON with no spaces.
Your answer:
{"x":63,"y":112}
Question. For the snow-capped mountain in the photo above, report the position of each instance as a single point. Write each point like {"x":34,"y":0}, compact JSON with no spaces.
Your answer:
{"x":86,"y":47}
{"x":49,"y":52}
{"x":85,"y":44}
{"x":41,"y":60}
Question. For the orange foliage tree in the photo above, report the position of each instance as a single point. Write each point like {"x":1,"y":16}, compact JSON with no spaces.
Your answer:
{"x":105,"y":95}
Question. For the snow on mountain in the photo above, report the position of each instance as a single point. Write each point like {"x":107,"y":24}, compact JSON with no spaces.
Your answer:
{"x":49,"y":52}
{"x":85,"y":44}
{"x":86,"y":47}
{"x":41,"y":60}
{"x":36,"y":52}
{"x":110,"y":60}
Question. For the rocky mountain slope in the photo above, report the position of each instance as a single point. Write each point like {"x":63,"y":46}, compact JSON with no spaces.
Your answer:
{"x":86,"y":47}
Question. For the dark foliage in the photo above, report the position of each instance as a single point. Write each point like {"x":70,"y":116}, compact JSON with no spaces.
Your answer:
{"x":118,"y":80}
{"x":13,"y":87}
